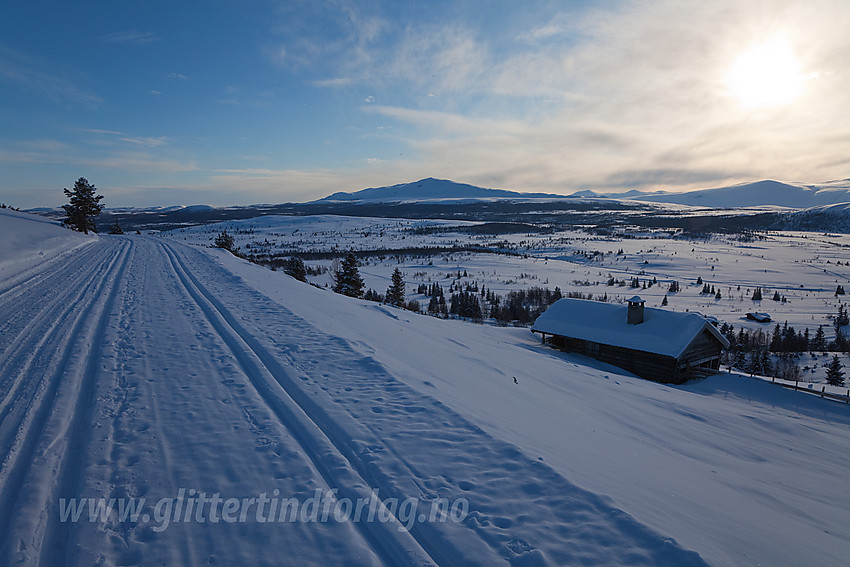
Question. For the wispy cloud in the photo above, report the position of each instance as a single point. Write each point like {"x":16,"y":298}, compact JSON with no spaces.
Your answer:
{"x":139,"y":161}
{"x":147,"y":141}
{"x":38,"y":77}
{"x":133,"y":37}
{"x":116,"y":138}
{"x":334,"y":82}
{"x":600,"y":98}
{"x":100,"y":131}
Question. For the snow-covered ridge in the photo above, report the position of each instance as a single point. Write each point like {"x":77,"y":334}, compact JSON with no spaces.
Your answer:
{"x":27,"y":240}
{"x":755,"y":194}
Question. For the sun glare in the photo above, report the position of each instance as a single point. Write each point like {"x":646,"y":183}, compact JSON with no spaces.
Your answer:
{"x":766,"y":75}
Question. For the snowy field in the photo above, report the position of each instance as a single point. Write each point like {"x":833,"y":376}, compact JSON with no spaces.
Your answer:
{"x":137,"y":367}
{"x":803,"y":268}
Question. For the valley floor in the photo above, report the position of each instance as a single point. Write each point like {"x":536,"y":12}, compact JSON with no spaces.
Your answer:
{"x":141,"y":368}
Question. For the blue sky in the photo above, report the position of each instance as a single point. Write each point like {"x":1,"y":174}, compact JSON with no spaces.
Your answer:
{"x":238,"y":102}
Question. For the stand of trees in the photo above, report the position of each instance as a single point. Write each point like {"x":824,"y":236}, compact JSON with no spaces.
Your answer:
{"x":751,"y":351}
{"x":224,"y":240}
{"x":295,"y":267}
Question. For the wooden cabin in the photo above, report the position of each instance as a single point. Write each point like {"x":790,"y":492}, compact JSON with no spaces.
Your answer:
{"x":656,"y":344}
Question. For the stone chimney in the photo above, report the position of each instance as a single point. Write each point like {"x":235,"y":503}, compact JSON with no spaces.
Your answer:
{"x":635,"y":315}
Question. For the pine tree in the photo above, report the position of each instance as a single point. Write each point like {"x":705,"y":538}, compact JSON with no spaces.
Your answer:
{"x":84,"y":205}
{"x":840,"y":342}
{"x":819,"y":342}
{"x":664,"y":301}
{"x":841,"y":319}
{"x":740,"y":360}
{"x":347,"y":280}
{"x":776,"y":339}
{"x":116,"y":228}
{"x":834,"y":372}
{"x":757,"y":294}
{"x":444,"y":309}
{"x":295,"y":267}
{"x":372,"y":295}
{"x":395,"y":293}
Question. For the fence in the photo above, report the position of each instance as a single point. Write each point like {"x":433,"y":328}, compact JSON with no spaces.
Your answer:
{"x":810,"y":388}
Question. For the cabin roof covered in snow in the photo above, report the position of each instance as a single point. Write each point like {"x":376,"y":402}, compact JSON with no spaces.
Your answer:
{"x":662,"y":332}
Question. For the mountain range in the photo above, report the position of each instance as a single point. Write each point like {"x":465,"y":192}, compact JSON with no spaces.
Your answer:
{"x":759,"y":193}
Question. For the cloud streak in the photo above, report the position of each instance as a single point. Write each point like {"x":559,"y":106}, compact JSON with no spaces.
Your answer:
{"x":132,"y":37}
{"x":34,"y":76}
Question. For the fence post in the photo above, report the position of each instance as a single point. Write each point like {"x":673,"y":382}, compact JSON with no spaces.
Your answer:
{"x":822,"y":390}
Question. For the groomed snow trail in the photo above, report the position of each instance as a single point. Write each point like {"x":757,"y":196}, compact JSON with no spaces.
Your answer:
{"x":140,"y":368}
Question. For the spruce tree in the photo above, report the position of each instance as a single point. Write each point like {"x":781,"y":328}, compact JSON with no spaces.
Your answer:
{"x":819,"y":342}
{"x":347,"y":280}
{"x":395,"y":293}
{"x":295,"y":267}
{"x":834,"y":372}
{"x":116,"y":228}
{"x":84,"y":205}
{"x":841,"y":319}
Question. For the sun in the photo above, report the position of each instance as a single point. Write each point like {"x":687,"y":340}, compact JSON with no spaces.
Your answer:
{"x":766,"y":75}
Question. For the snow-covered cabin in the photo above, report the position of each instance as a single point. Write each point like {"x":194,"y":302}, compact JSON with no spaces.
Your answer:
{"x":759,"y":317}
{"x":660,"y":345}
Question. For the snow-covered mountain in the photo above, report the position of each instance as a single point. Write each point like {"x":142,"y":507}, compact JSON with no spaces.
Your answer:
{"x":755,"y":194}
{"x":432,"y":189}
{"x":759,"y":193}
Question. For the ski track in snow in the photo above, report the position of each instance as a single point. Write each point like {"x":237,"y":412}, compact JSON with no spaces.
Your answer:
{"x":49,"y":376}
{"x":140,"y":368}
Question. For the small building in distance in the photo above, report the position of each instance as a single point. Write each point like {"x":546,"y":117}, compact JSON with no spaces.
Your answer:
{"x":759,"y":317}
{"x":656,"y":344}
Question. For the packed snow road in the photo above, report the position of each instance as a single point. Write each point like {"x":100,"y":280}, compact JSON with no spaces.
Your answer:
{"x":139,"y":374}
